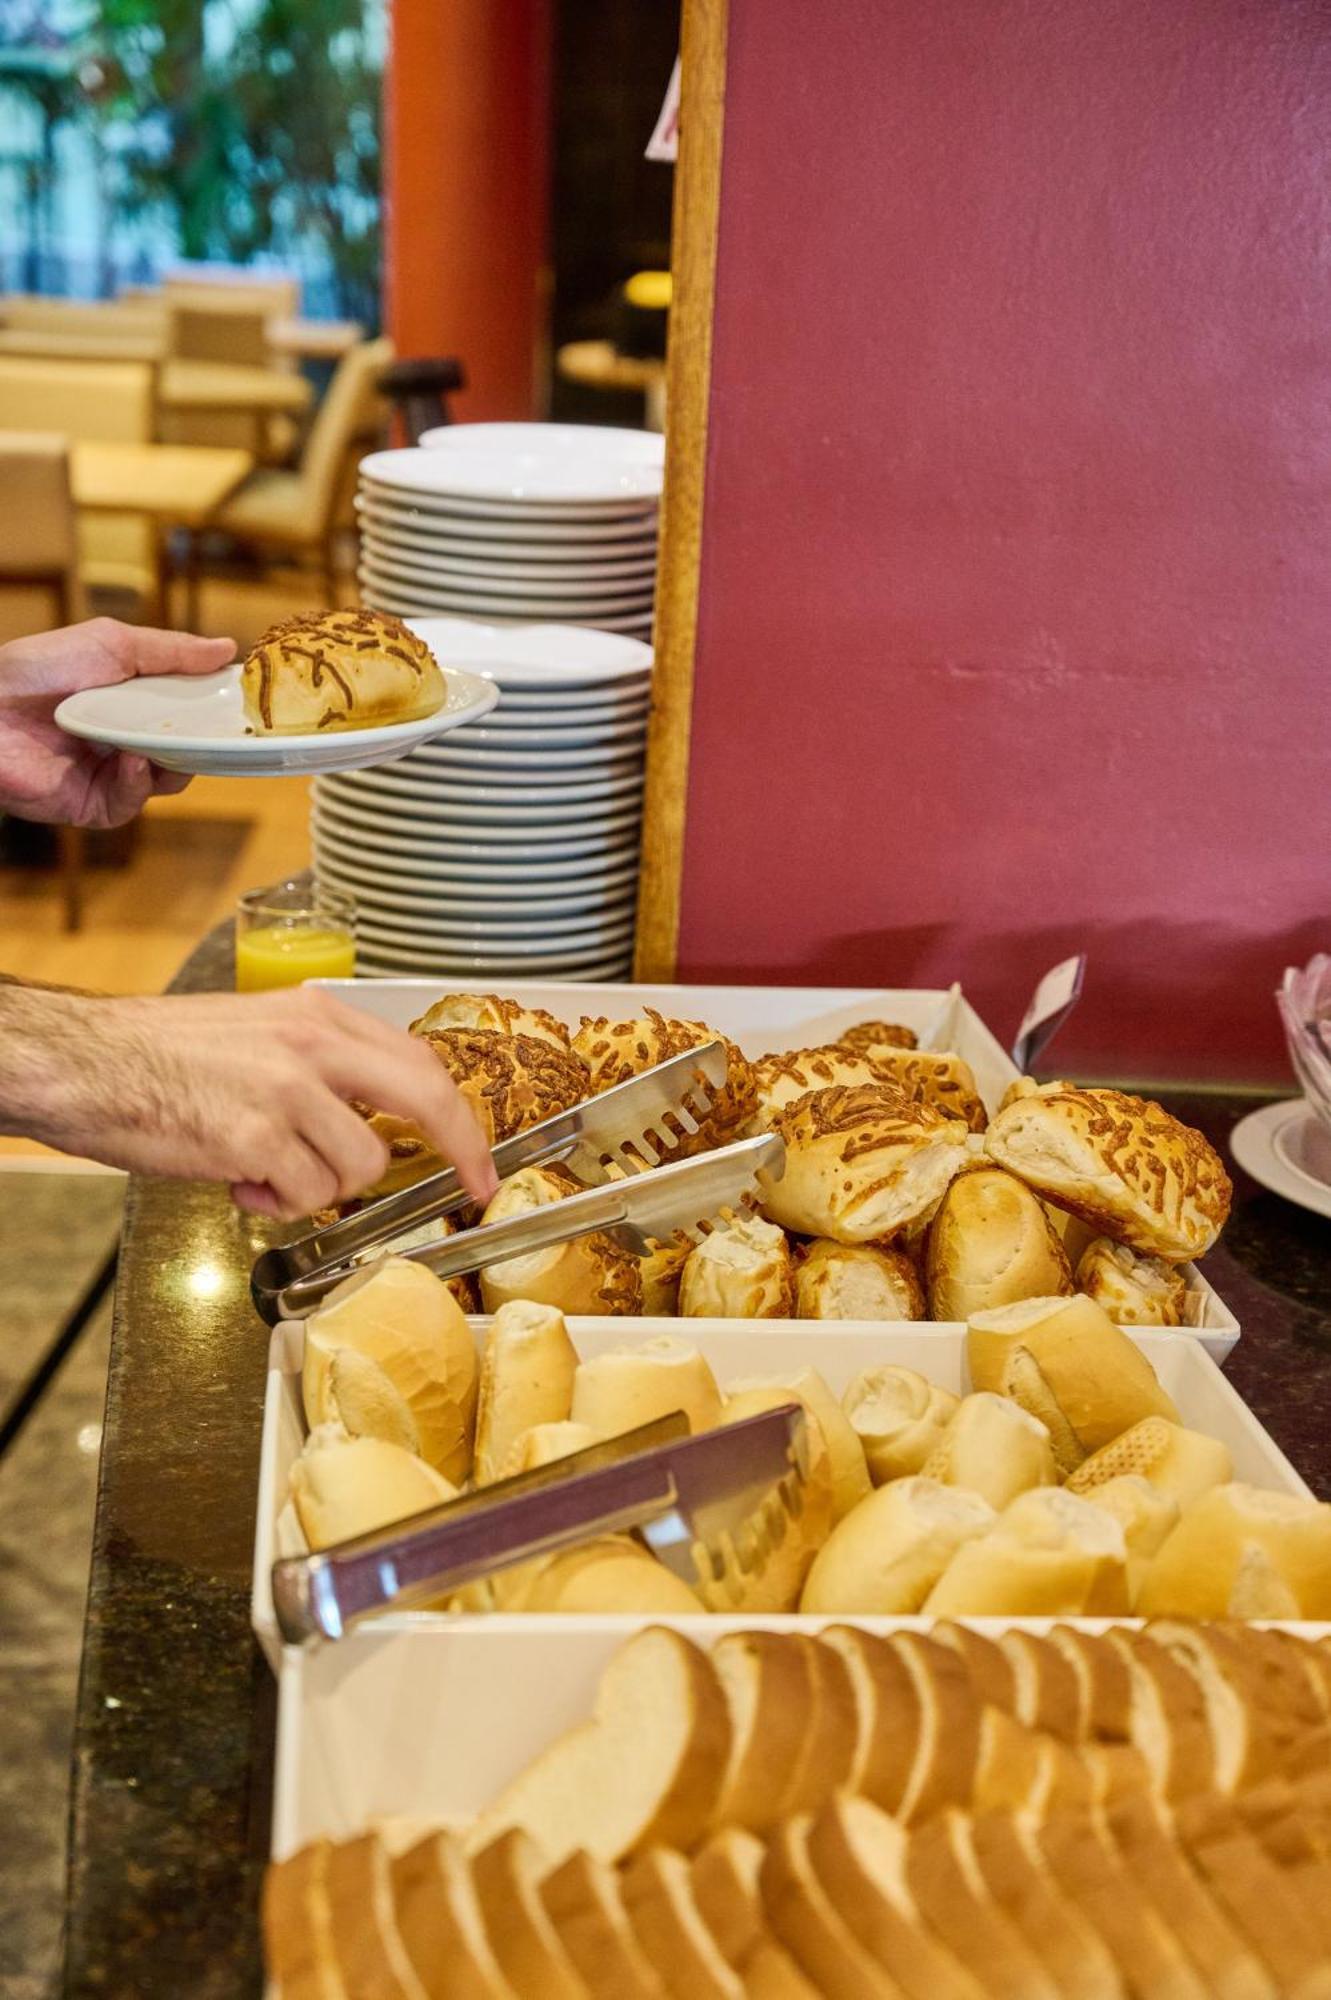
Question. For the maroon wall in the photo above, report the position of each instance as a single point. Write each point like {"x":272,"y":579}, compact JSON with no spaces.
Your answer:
{"x":1016,"y":598}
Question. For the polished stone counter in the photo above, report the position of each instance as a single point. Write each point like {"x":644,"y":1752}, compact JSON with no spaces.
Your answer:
{"x":175,"y":1735}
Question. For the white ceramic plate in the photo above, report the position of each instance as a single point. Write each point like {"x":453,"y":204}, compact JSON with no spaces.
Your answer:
{"x":576,"y":734}
{"x":541,"y":658}
{"x":542,"y":938}
{"x":414,"y":610}
{"x":196,"y":723}
{"x":527,"y":725}
{"x":512,"y":857}
{"x":570,"y":573}
{"x":1287,"y":1149}
{"x":376,"y":585}
{"x":626,"y":790}
{"x":568,"y":822}
{"x":547,"y":536}
{"x":428,"y":820}
{"x":415,"y":873}
{"x":444,"y":904}
{"x":388,"y":961}
{"x":617,"y":444}
{"x":528,"y":580}
{"x":565,"y":705}
{"x":559,"y":466}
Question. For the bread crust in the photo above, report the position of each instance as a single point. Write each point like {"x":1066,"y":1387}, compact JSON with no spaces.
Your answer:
{"x":614,"y":1051}
{"x":990,"y":1244}
{"x":491,"y":1011}
{"x":862,"y":1163}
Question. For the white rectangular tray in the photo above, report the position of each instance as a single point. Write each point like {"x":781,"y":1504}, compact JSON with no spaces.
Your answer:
{"x":761,"y":1019}
{"x":737,"y":1348}
{"x":427,"y":1725}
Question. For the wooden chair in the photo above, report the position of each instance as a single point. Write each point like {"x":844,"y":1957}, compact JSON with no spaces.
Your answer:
{"x":301,"y":512}
{"x":114,"y":401}
{"x":39,"y":554}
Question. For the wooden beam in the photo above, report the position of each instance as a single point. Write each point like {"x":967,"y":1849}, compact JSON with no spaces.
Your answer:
{"x":688,"y":390}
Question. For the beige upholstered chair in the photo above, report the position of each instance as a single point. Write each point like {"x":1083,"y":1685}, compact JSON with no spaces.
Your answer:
{"x":301,"y":511}
{"x":218,"y":330}
{"x":112,"y":401}
{"x":39,"y":565}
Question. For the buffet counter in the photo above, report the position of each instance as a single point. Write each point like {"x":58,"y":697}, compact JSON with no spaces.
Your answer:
{"x":175,"y":1734}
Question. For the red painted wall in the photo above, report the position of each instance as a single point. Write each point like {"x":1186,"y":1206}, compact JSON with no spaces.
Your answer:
{"x":1016,"y":599}
{"x":466,"y":192}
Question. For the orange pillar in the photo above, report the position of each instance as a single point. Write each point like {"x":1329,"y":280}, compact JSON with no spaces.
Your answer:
{"x":466,"y":192}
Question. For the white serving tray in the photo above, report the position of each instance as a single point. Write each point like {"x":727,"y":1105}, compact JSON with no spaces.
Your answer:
{"x":761,"y":1019}
{"x":428,"y":1725}
{"x":737,"y":1348}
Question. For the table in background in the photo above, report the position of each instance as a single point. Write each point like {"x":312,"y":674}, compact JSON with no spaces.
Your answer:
{"x":598,"y":364}
{"x":178,"y":485}
{"x":175,"y":1735}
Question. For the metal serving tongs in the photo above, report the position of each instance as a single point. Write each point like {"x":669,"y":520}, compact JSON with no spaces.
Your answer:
{"x":635,"y":1124}
{"x":715,"y":1509}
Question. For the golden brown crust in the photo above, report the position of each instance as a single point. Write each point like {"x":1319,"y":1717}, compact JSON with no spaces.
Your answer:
{"x":782,"y":1077}
{"x":868,"y":1036}
{"x":863,"y":1162}
{"x":329,"y":670}
{"x":944,"y":1081}
{"x":1123,"y":1164}
{"x":599,"y":1274}
{"x":513,"y":1081}
{"x":614,"y":1051}
{"x":491,"y":1011}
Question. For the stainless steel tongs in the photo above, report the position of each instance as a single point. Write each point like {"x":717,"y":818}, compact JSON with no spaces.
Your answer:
{"x":715,"y":1509}
{"x":634,"y":1125}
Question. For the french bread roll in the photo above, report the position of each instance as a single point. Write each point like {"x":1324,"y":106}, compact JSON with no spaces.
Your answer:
{"x":614,"y":1051}
{"x":362,"y":1397}
{"x":543,"y":1444}
{"x":1122,"y":1163}
{"x":871,"y":1036}
{"x":861,"y":1164}
{"x":850,"y":1474}
{"x":1066,"y":1362}
{"x":775,"y":1584}
{"x":1049,"y":1555}
{"x":990,"y":1243}
{"x":343,"y":1486}
{"x":944,"y":1081}
{"x":526,"y":1379}
{"x":590,"y":1275}
{"x":489,"y":1011}
{"x":991,"y":1446}
{"x":744,"y":1271}
{"x":627,"y":1386}
{"x":887,"y":1555}
{"x":1179,"y":1462}
{"x":899,"y":1417}
{"x":322,"y":671}
{"x":781,"y":1078}
{"x":1146,"y":1515}
{"x":620,"y":1783}
{"x":857,"y":1281}
{"x":511,"y":1081}
{"x":408,"y":1323}
{"x":1258,"y":1589}
{"x":1134,"y":1290}
{"x":610,"y":1574}
{"x":1195,"y":1572}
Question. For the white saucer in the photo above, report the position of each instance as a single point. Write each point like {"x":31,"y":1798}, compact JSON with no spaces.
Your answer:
{"x":547,"y":537}
{"x":563,"y":467}
{"x":196,"y":723}
{"x":1287,"y":1149}
{"x":544,"y":657}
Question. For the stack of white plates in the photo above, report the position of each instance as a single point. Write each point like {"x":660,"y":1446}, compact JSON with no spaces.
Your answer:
{"x":515,"y":522}
{"x":509,"y":848}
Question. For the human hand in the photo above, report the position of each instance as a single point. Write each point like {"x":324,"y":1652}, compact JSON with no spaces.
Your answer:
{"x":47,"y":775}
{"x":251,"y":1089}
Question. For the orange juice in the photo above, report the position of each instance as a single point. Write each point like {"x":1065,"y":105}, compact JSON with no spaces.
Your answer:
{"x":273,"y":955}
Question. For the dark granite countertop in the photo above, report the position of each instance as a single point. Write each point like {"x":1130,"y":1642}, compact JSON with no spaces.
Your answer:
{"x":175,"y":1736}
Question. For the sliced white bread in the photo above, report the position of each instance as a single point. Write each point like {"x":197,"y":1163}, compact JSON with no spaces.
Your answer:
{"x":827,"y":1755}
{"x":950,"y":1891}
{"x":726,"y":1876}
{"x":1011,"y":1765}
{"x":297,"y":1927}
{"x":672,"y":1933}
{"x":1218,"y":1950}
{"x":947,"y":1739}
{"x":1048,"y":1686}
{"x":1071,"y":1950}
{"x":811,"y":1928}
{"x":769,"y":1691}
{"x":1106,"y":1684}
{"x":1168,"y":1719}
{"x":1245,"y":1737}
{"x":370,"y":1951}
{"x":1090,"y":1871}
{"x":582,"y":1899}
{"x":993,"y":1675}
{"x":1257,"y":1894}
{"x":646,"y":1770}
{"x":889,"y":1707}
{"x":507,"y":1875}
{"x":859,"y":1856}
{"x":440,"y":1923}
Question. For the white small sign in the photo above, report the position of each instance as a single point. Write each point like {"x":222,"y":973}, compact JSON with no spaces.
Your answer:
{"x":664,"y":142}
{"x":1051,"y":1003}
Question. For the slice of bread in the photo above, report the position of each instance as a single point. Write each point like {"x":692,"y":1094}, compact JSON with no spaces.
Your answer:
{"x":943,"y":1769}
{"x":950,"y":1890}
{"x":1256,"y":1893}
{"x":371,"y":1955}
{"x":297,"y":1928}
{"x":1168,"y":1721}
{"x":671,"y":1931}
{"x":811,"y":1928}
{"x":726,"y":1888}
{"x":827,"y":1754}
{"x":1106,"y":1684}
{"x":859,"y":1856}
{"x":1048,"y":1687}
{"x":1089,"y":1870}
{"x":1241,"y":1712}
{"x":646,"y":1770}
{"x":1009,"y":1765}
{"x":1070,"y":1949}
{"x":993,"y":1675}
{"x":440,"y":1923}
{"x":889,"y":1709}
{"x":582,"y":1900}
{"x":507,"y":1876}
{"x":1220,"y":1953}
{"x":769,"y":1690}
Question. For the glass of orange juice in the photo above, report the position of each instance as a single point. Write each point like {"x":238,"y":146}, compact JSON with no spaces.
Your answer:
{"x":291,"y":932}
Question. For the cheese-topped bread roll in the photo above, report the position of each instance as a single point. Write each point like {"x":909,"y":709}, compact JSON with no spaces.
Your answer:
{"x":857,"y":1281}
{"x":991,"y":1242}
{"x":1134,"y":1290}
{"x":944,"y":1081}
{"x":899,"y":1417}
{"x":1122,"y":1163}
{"x":613,"y":1051}
{"x":330,"y":670}
{"x":780,"y":1079}
{"x":589,"y":1274}
{"x":742,"y":1272}
{"x":869,"y":1036}
{"x":490,"y":1011}
{"x":861,"y":1164}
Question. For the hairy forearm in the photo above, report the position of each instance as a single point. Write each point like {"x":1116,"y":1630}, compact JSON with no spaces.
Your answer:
{"x":66,"y":1059}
